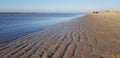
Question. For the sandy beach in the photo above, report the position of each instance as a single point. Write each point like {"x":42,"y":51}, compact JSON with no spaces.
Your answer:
{"x":91,"y":36}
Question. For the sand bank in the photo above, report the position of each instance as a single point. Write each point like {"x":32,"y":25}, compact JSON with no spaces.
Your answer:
{"x":92,"y":36}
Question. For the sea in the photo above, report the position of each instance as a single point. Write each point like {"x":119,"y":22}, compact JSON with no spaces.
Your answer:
{"x":15,"y":25}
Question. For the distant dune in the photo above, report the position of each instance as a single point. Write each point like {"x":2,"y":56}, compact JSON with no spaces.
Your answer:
{"x":92,"y":36}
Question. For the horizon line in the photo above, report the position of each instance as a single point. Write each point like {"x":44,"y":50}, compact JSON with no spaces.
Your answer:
{"x":35,"y":12}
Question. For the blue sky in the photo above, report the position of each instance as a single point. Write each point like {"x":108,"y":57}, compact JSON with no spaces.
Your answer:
{"x":57,"y":5}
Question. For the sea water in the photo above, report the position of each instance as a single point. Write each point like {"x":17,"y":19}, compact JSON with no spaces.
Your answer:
{"x":13,"y":26}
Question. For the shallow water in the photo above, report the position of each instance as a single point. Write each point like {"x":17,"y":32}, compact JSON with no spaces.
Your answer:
{"x":13,"y":26}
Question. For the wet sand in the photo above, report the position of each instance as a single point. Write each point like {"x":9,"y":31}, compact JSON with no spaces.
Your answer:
{"x":92,"y":36}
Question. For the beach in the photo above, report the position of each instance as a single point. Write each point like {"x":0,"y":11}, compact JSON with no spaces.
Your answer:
{"x":90,"y":36}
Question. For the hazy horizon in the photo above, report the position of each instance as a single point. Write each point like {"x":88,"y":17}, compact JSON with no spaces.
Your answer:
{"x":58,"y":5}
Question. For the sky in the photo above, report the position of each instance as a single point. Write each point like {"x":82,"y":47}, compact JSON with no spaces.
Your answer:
{"x":58,"y":5}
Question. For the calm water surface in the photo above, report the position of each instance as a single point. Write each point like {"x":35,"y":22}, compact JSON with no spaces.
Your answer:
{"x":13,"y":26}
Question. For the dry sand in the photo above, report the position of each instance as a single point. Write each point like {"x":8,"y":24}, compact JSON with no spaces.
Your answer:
{"x":92,"y":36}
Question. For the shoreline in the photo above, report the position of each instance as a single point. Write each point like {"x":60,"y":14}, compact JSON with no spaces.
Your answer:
{"x":91,"y":36}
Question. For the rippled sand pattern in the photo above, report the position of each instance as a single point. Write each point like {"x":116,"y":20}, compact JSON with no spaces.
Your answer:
{"x":93,"y":36}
